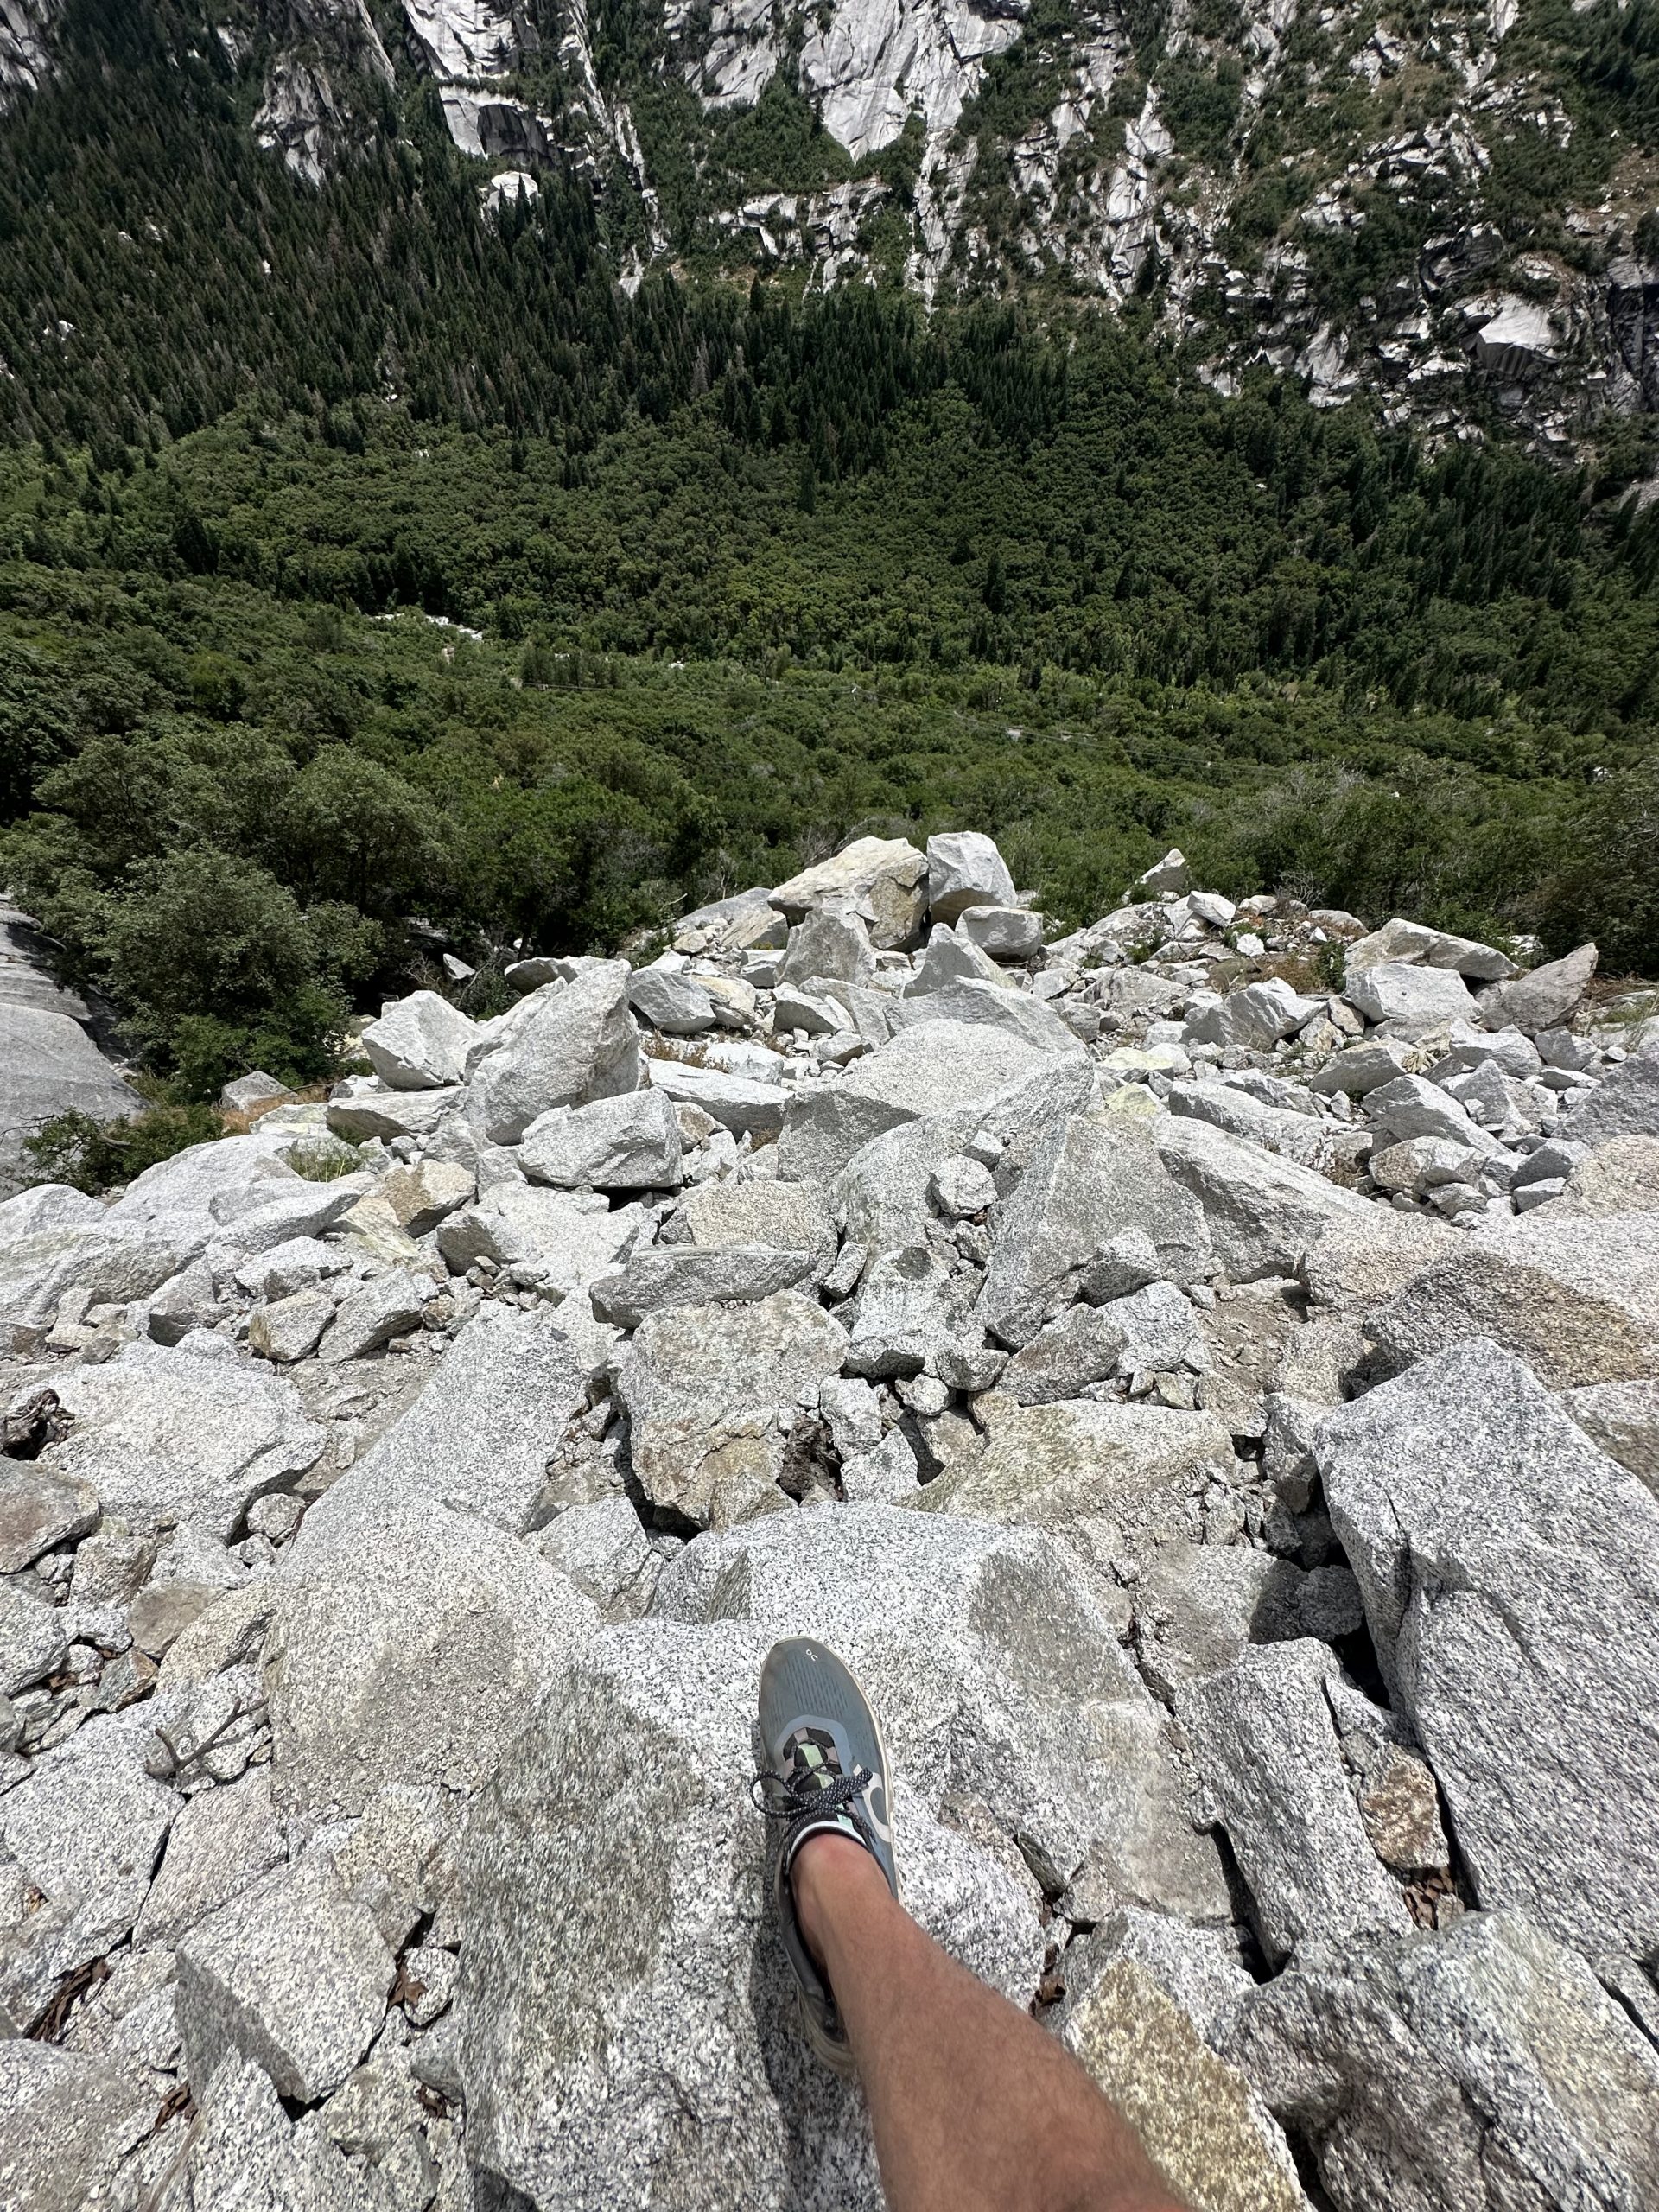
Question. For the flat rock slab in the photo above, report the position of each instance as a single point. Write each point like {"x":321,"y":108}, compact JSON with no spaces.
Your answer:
{"x":1511,"y":1577}
{"x":67,"y":2121}
{"x":49,"y":1065}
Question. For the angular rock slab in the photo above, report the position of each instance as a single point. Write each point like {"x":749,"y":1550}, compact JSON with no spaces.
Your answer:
{"x":66,"y":2120}
{"x":1267,"y":1747}
{"x":566,"y":1048}
{"x":1264,"y":1214}
{"x":409,"y":1655}
{"x":163,"y":1435}
{"x":49,"y":1065}
{"x":704,"y":1385}
{"x":628,"y":1143}
{"x":420,"y":1044}
{"x":965,"y":869}
{"x":1511,"y":1577}
{"x":478,"y":1437}
{"x":1626,"y":1103}
{"x":1543,"y":999}
{"x":1485,"y":2069}
{"x":1577,"y":1297}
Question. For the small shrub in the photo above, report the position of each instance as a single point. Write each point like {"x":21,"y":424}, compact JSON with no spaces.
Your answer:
{"x":98,"y":1156}
{"x":324,"y":1160}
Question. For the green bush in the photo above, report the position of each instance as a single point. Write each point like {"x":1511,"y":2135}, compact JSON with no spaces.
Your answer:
{"x":98,"y":1156}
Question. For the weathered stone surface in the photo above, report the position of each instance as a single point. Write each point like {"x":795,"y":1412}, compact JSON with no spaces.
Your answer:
{"x":410,"y":1659}
{"x":1197,"y":1606}
{"x":1170,"y":873}
{"x":385,"y":1307}
{"x":49,"y":1065}
{"x":1543,"y":999}
{"x":704,"y":1387}
{"x":1486,"y":2068}
{"x":1255,"y":1018}
{"x":825,"y":948}
{"x":1152,"y":1329}
{"x":420,"y":1044}
{"x":1365,"y":1258}
{"x":387,"y":1114}
{"x":933,"y":1069}
{"x":1054,"y":1465}
{"x":670,"y":1000}
{"x":162,"y":1611}
{"x":1196,"y":2116}
{"x":1578,"y":1298}
{"x":45,"y":1207}
{"x":1411,"y":1106}
{"x":39,"y":1509}
{"x":478,"y":1437}
{"x":605,"y":1551}
{"x":1509,"y":1570}
{"x":950,"y":959}
{"x":992,"y":1004}
{"x":67,"y":2121}
{"x":1264,"y":1214}
{"x":243,"y":2132}
{"x":1085,"y":1183}
{"x":693,"y":1274}
{"x":295,"y":1265}
{"x":738,"y":1102}
{"x":290,"y":1327}
{"x":1361,"y":1068}
{"x":1006,"y":932}
{"x":1326,"y":1147}
{"x":1621,"y":1176}
{"x":1622,"y":1419}
{"x":965,"y":869}
{"x":789,"y":1215}
{"x":1266,"y":1745}
{"x":886,"y":873}
{"x":627,"y":1143}
{"x":33,"y":1637}
{"x":552,"y":1238}
{"x":221,"y":1843}
{"x":292,"y":1975}
{"x":1412,"y":1000}
{"x":568,"y":1047}
{"x":163,"y":1435}
{"x":87,"y":1825}
{"x":421,"y":1195}
{"x":1624,"y":1103}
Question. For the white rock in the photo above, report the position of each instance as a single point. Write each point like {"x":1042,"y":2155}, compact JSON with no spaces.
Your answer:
{"x":1412,"y":1000}
{"x":419,"y":1043}
{"x":965,"y":869}
{"x":671,"y":1001}
{"x":568,"y":1047}
{"x":627,"y":1143}
{"x":1011,"y":933}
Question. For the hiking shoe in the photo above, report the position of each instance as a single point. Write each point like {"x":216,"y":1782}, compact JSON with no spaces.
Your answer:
{"x":829,"y":1776}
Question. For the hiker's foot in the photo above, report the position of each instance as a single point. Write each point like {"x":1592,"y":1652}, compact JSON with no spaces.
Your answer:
{"x":826,"y":1783}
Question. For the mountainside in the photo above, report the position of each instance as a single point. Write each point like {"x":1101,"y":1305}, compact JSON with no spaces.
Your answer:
{"x":1456,"y":208}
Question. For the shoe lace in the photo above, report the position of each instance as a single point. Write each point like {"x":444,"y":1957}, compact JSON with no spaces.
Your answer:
{"x":788,"y":1797}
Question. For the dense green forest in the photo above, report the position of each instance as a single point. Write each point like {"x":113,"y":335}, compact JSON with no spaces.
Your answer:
{"x":363,"y":557}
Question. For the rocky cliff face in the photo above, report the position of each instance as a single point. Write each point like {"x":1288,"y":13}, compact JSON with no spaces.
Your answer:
{"x":1457,"y":211}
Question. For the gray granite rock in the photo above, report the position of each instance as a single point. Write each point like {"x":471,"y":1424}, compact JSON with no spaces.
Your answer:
{"x":1576,"y":1297}
{"x":883,"y":878}
{"x":1197,"y":1606}
{"x":281,"y":1270}
{"x":247,"y":2155}
{"x":171,"y":1435}
{"x":990,"y":1003}
{"x":1255,"y":1017}
{"x":965,"y":869}
{"x":1413,"y":1001}
{"x":39,"y":1509}
{"x":1266,"y":1744}
{"x":478,"y":1437}
{"x":694,"y":1274}
{"x":1543,"y":999}
{"x":705,"y":1387}
{"x":743,"y":1103}
{"x":370,"y":1316}
{"x":1152,"y":1329}
{"x":1621,"y":1419}
{"x":290,"y":1328}
{"x":567,"y":1046}
{"x":87,"y":1824}
{"x":827,"y":947}
{"x":791,"y":1217}
{"x":558,"y":1239}
{"x":45,"y":1207}
{"x":670,"y":1000}
{"x":1085,"y":1183}
{"x":408,"y":1656}
{"x":33,"y":1641}
{"x":1483,"y":2070}
{"x":1411,"y":1106}
{"x":222,"y":1841}
{"x":1264,"y":1214}
{"x":1508,"y":1570}
{"x":627,"y":1143}
{"x":49,"y":1065}
{"x":420,"y":1043}
{"x":67,"y":2119}
{"x":1305,"y":1137}
{"x":1624,"y":1103}
{"x":603,"y":1548}
{"x":292,"y":1975}
{"x":1012,"y":933}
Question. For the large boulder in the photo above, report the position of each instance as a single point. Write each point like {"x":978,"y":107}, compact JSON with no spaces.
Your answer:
{"x":1255,"y":1018}
{"x":67,"y":2120}
{"x":1310,"y":1140}
{"x":827,"y":948}
{"x":421,"y":1043}
{"x":671,"y":999}
{"x":631,"y":1142}
{"x":1263,"y":1213}
{"x":1412,"y":1000}
{"x":1624,"y":1103}
{"x":965,"y":869}
{"x":712,"y":1393}
{"x":1085,"y":1182}
{"x":408,"y":1655}
{"x":569,"y":1045}
{"x":174,"y":1437}
{"x":745,"y":1105}
{"x":478,"y":1437}
{"x":1543,"y":999}
{"x":932,"y":1069}
{"x":994,"y":1003}
{"x":884,"y":879}
{"x":1483,"y":2070}
{"x":1576,"y":1296}
{"x":48,"y":1065}
{"x":1509,"y":1571}
{"x":792,"y":1216}
{"x":558,"y":1239}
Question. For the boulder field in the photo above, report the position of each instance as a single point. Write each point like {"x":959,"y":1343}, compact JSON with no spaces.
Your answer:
{"x":1202,"y":1372}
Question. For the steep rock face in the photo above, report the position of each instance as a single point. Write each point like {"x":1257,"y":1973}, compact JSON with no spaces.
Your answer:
{"x":319,"y":86}
{"x":24,"y":57}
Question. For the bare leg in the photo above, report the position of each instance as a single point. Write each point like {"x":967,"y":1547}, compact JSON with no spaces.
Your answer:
{"x":975,"y":2109}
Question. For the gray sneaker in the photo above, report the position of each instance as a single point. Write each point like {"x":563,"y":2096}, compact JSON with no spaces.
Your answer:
{"x":829,"y":1776}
